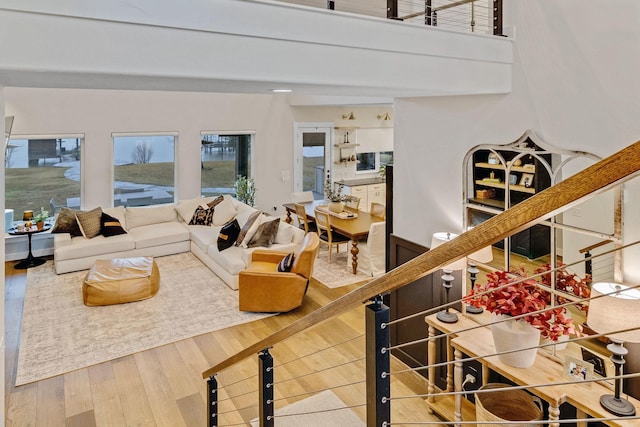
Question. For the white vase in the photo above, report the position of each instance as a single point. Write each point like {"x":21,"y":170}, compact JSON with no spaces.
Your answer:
{"x":558,"y":345}
{"x":514,"y":335}
{"x":336,"y":207}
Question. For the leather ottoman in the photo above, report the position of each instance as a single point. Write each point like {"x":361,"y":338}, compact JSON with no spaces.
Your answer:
{"x":120,"y":280}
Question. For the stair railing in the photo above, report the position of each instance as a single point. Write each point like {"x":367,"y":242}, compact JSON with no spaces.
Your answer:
{"x":588,"y":183}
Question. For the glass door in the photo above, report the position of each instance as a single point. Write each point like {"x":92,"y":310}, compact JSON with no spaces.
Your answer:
{"x":311,"y":156}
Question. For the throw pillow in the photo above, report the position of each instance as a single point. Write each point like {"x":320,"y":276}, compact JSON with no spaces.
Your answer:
{"x":202,"y":216}
{"x":285,"y":265}
{"x":285,"y":234}
{"x":224,"y":212}
{"x":228,"y":235}
{"x":67,"y":223}
{"x":215,"y":202}
{"x":90,"y":222}
{"x":265,"y":234}
{"x":249,"y":229}
{"x":186,"y":208}
{"x":110,"y":226}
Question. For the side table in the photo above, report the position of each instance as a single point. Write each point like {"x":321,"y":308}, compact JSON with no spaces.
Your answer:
{"x":30,"y":261}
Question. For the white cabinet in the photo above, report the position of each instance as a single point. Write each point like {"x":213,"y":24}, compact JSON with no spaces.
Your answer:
{"x":375,"y":193}
{"x":367,"y":193}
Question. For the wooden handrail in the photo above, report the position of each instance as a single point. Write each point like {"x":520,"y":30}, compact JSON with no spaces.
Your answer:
{"x":595,"y":245}
{"x":597,"y":178}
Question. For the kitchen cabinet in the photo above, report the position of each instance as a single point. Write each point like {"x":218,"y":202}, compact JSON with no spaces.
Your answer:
{"x":368,"y":190}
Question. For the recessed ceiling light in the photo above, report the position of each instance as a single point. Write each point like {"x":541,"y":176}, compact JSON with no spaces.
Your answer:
{"x":281,"y":90}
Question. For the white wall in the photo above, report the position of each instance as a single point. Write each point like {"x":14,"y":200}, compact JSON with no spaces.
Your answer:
{"x":97,"y":113}
{"x":574,"y":83}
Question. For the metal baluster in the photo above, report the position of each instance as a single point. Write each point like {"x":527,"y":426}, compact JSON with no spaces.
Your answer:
{"x":266,"y":389}
{"x":378,"y":364}
{"x":212,"y":400}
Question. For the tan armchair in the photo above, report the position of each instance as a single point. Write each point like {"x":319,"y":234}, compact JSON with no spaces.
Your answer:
{"x":262,"y":288}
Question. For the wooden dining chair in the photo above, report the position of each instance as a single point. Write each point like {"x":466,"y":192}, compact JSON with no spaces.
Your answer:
{"x":352,"y":202}
{"x":326,"y":234}
{"x":303,"y":222}
{"x":378,"y":209}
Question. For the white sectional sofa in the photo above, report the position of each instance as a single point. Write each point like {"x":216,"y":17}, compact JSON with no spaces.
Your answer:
{"x":162,"y":230}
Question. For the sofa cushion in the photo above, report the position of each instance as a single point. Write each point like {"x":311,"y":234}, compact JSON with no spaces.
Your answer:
{"x":117,"y":212}
{"x":228,"y":235}
{"x":145,"y":215}
{"x":81,"y":247}
{"x":110,"y":226}
{"x":90,"y":222}
{"x":202,"y":216}
{"x":285,"y":265}
{"x":66,"y":222}
{"x":249,"y":229}
{"x":147,"y":236}
{"x":215,"y":202}
{"x":232,"y":259}
{"x":186,"y":208}
{"x":203,"y":235}
{"x":265,"y":234}
{"x":285,"y":233}
{"x":224,"y":212}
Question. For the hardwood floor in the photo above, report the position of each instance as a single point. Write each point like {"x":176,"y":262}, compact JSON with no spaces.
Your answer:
{"x":164,"y":386}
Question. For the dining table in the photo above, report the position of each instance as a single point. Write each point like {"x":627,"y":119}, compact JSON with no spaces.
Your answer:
{"x":356,"y":228}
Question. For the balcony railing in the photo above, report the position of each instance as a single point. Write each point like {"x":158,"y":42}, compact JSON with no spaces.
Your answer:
{"x":230,"y":384}
{"x":480,"y":16}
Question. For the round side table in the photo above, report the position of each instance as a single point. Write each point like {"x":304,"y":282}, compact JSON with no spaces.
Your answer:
{"x":30,"y":260}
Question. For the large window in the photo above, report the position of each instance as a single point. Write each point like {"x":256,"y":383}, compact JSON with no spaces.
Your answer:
{"x":143,"y":169}
{"x":42,"y":173}
{"x":224,"y":157}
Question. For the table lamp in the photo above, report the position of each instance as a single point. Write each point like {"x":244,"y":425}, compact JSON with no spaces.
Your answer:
{"x":447,"y":278}
{"x":483,"y":256}
{"x":613,"y":308}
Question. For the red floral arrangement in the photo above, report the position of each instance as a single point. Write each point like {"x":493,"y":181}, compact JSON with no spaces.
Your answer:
{"x":567,"y":282}
{"x":514,"y":296}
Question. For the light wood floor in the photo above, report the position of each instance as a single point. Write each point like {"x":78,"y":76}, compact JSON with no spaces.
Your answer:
{"x":164,"y":387}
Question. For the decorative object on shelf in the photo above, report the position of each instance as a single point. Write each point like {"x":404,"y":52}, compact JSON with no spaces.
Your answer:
{"x":526,"y":180}
{"x":510,"y":295}
{"x":40,"y":218}
{"x":493,"y":159}
{"x":613,"y":311}
{"x":438,"y":239}
{"x":483,"y":256}
{"x":487,"y":193}
{"x":348,"y":116}
{"x":346,"y":137}
{"x":245,"y":190}
{"x":513,"y":179}
{"x":384,"y":116}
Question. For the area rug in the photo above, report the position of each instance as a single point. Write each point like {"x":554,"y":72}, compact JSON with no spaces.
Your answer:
{"x":61,"y":334}
{"x":324,"y":409}
{"x":339,"y":272}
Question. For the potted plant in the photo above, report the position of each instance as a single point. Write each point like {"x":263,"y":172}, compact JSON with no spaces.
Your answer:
{"x":335,"y":197}
{"x":245,"y":190}
{"x":567,"y":282}
{"x":40,"y":217}
{"x":508,"y":295}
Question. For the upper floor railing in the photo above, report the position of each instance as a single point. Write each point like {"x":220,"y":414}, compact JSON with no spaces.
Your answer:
{"x":594,"y":180}
{"x":481,"y":16}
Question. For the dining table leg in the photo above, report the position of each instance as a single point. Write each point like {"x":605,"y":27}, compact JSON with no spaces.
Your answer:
{"x":354,"y":255}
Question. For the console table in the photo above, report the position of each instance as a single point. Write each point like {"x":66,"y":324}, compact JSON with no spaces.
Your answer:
{"x":585,"y":397}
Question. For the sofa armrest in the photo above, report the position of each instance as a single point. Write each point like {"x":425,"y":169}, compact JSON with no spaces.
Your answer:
{"x":61,"y":239}
{"x":268,"y":256}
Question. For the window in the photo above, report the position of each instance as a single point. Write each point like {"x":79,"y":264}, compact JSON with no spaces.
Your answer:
{"x":42,"y":173}
{"x":143,"y":169}
{"x":224,"y":157}
{"x":367,"y":162}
